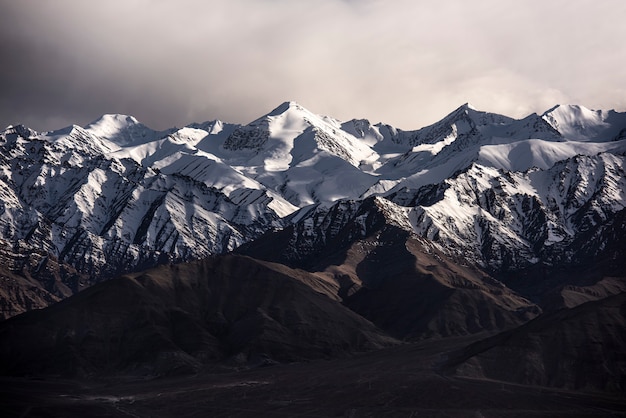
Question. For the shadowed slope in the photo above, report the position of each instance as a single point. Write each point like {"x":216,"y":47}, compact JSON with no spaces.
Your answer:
{"x":413,"y":291}
{"x":176,"y":318}
{"x":33,"y":280}
{"x":579,"y":348}
{"x":397,"y":280}
{"x":595,"y":277}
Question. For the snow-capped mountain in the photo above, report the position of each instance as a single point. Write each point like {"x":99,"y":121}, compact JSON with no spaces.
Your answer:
{"x":510,"y":220}
{"x":72,"y":196}
{"x":116,"y":196}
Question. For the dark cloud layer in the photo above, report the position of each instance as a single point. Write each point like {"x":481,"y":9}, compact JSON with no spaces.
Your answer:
{"x":403,"y":62}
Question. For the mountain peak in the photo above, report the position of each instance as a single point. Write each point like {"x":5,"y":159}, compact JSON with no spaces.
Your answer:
{"x":284,"y":107}
{"x":113,"y":121}
{"x":571,"y":110}
{"x":467,"y":106}
{"x":566,"y":106}
{"x":288,"y":108}
{"x":578,"y":123}
{"x":465,"y":111}
{"x":121,"y":129}
{"x":19,"y":130}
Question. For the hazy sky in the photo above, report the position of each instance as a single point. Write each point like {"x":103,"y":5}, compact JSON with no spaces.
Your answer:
{"x":403,"y":62}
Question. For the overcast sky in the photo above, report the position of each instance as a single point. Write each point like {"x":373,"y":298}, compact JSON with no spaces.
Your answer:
{"x":403,"y":62}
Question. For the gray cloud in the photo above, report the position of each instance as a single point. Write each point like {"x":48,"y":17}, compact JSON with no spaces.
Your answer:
{"x":403,"y":62}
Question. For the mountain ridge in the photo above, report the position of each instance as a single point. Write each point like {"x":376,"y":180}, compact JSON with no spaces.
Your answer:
{"x":117,"y":196}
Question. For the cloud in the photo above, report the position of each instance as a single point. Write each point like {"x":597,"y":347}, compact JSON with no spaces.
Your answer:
{"x":403,"y":62}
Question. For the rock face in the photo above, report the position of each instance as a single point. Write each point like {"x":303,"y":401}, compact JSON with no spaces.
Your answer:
{"x":179,"y":318}
{"x":518,"y":199}
{"x":510,"y":220}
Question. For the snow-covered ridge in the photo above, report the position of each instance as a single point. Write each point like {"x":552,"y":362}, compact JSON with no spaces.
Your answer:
{"x":116,"y":195}
{"x":510,"y":220}
{"x":581,"y":124}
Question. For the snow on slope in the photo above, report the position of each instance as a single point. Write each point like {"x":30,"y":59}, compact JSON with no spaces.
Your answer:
{"x":79,"y":140}
{"x":526,"y":154}
{"x":305,"y":158}
{"x":105,"y":215}
{"x":467,"y":136}
{"x":117,"y":195}
{"x":578,"y":123}
{"x":123,"y":130}
{"x":510,"y":220}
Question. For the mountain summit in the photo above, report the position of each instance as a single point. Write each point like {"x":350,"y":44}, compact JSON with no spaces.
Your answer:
{"x":577,"y":123}
{"x":123,"y":130}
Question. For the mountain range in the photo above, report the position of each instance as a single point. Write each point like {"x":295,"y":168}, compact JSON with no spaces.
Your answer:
{"x":80,"y":205}
{"x":300,"y":236}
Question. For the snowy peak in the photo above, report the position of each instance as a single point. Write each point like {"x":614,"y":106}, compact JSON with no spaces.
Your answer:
{"x":382,"y":138}
{"x":18,"y":131}
{"x":289,"y":115}
{"x":360,"y":128}
{"x":283,"y":124}
{"x":285,"y":107}
{"x":462,"y":112}
{"x":577,"y":123}
{"x":465,"y":121}
{"x":469,"y":113}
{"x":122,"y":130}
{"x":112,"y":122}
{"x":291,"y":135}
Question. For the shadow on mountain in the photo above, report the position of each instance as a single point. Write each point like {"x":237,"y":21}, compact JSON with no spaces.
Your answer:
{"x":582,"y":348}
{"x":33,"y":280}
{"x":177,"y":319}
{"x":397,"y":280}
{"x":567,"y":285}
{"x":414,"y":292}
